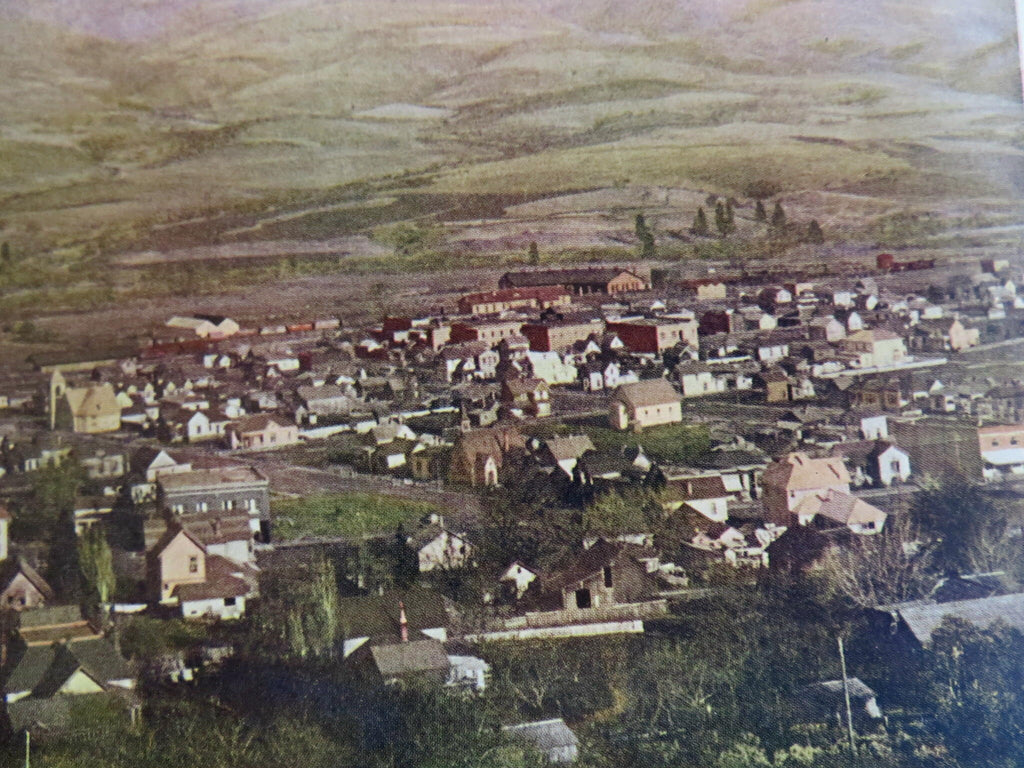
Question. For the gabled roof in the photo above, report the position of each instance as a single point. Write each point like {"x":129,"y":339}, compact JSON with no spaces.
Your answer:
{"x":224,"y":578}
{"x":259,"y":422}
{"x":923,"y":618}
{"x":545,"y":735}
{"x":642,"y":394}
{"x":43,"y":669}
{"x":840,"y":508}
{"x":568,"y":447}
{"x":798,"y":471}
{"x":378,"y":615}
{"x":415,"y":656}
{"x":11,"y":567}
{"x":97,"y":400}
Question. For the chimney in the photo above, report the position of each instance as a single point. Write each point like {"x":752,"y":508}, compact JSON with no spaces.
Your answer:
{"x":403,"y":623}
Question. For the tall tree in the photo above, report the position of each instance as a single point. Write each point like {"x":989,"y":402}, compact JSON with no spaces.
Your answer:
{"x":760,"y":214}
{"x":97,"y":564}
{"x":533,"y":255}
{"x":778,"y":216}
{"x":645,"y":236}
{"x":700,"y":224}
{"x":814,"y":233}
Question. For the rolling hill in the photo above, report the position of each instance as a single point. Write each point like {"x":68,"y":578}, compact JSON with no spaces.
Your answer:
{"x":124,"y":119}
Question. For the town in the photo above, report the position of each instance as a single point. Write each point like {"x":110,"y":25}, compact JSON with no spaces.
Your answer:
{"x":606,"y":514}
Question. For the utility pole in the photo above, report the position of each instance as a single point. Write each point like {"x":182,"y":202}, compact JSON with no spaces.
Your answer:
{"x":28,"y":743}
{"x":846,"y":696}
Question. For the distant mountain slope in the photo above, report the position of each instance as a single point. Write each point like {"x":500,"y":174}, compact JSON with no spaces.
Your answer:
{"x":120,"y":113}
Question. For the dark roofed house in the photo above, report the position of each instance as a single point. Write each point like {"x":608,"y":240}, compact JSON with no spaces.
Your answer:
{"x":424,"y":658}
{"x":552,"y":738}
{"x":377,"y":619}
{"x":922,"y":617}
{"x":39,"y":681}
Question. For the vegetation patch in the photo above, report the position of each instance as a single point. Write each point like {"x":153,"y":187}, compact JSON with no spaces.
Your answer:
{"x":344,"y":514}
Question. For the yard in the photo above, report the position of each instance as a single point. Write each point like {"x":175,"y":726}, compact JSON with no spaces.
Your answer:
{"x":344,"y":514}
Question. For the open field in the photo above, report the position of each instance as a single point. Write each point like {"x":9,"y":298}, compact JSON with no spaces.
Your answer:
{"x":344,"y":514}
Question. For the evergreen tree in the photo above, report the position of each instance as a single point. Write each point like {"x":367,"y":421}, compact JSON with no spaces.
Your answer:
{"x":722,"y":219}
{"x":730,"y":215}
{"x":778,"y":216}
{"x":645,"y":236}
{"x":534,"y":254}
{"x":814,"y":233}
{"x":760,"y":214}
{"x":700,"y":224}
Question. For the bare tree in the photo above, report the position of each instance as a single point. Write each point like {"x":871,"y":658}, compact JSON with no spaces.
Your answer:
{"x":888,"y":567}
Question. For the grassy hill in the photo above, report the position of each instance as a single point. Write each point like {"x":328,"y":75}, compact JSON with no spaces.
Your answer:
{"x":141,"y":125}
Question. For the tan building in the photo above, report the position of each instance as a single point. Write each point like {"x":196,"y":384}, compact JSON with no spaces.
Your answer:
{"x":178,"y":558}
{"x":875,"y":348}
{"x":90,"y":410}
{"x":263,"y":430}
{"x":788,"y":481}
{"x":645,"y":404}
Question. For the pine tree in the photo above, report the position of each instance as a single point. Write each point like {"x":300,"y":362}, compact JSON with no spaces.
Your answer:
{"x":700,"y":224}
{"x":760,"y":214}
{"x":534,"y":253}
{"x":814,"y":233}
{"x":778,"y":216}
{"x":721,"y":220}
{"x":5,"y":252}
{"x":645,"y":236}
{"x":730,"y":216}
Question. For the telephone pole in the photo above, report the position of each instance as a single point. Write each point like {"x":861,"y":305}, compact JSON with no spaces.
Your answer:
{"x":846,"y":696}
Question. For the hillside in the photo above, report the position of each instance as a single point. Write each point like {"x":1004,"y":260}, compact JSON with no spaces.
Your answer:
{"x":122,"y":117}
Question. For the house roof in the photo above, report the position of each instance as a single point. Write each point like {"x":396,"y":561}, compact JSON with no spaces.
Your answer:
{"x":259,"y":422}
{"x":832,"y":690}
{"x":213,"y":477}
{"x":798,"y":471}
{"x":545,"y":735}
{"x":11,"y":567}
{"x":596,"y":276}
{"x":223,"y":579}
{"x":218,"y":527}
{"x":97,"y":400}
{"x":840,"y":508}
{"x":642,"y":394}
{"x":568,"y":447}
{"x":397,"y":659}
{"x":693,"y":488}
{"x":37,"y":715}
{"x":43,"y":669}
{"x":378,"y":615}
{"x":585,"y":564}
{"x":923,"y":618}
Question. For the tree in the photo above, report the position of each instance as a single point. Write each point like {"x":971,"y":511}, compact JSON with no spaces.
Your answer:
{"x":814,"y":233}
{"x":977,"y":680}
{"x":631,"y":511}
{"x":730,"y":214}
{"x":645,"y":236}
{"x":721,"y":219}
{"x":533,"y":255}
{"x":778,"y":216}
{"x":966,"y":530}
{"x":888,"y":567}
{"x":760,"y":214}
{"x":700,"y":224}
{"x":96,"y":562}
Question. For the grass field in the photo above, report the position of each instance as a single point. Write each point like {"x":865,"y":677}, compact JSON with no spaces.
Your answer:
{"x":344,"y":514}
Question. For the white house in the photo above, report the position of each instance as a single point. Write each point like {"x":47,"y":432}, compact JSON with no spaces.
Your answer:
{"x":551,"y":367}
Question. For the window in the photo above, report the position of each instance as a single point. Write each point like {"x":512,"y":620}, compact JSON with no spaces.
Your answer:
{"x":229,"y":601}
{"x":193,"y":564}
{"x":202,"y":506}
{"x":178,"y":508}
{"x":582,"y":598}
{"x":608,"y":576}
{"x":229,"y":503}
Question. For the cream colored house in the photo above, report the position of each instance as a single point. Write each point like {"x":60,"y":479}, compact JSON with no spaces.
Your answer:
{"x":786,"y":482}
{"x":90,"y":410}
{"x":877,"y":348}
{"x":645,"y":404}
